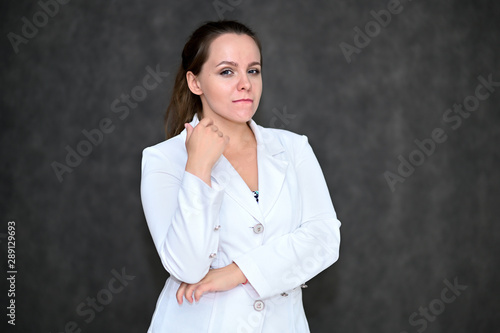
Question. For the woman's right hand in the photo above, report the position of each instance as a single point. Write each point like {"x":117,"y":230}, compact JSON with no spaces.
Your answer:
{"x":204,"y":144}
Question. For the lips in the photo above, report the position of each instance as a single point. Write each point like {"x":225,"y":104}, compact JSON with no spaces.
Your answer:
{"x":244,"y":100}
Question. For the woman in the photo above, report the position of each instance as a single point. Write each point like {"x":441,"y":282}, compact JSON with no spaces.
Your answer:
{"x":240,"y":215}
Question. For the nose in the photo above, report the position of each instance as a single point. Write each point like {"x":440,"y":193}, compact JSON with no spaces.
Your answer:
{"x":244,"y":83}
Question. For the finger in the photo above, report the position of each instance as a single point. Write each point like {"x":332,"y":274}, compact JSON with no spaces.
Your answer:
{"x":180,"y":293}
{"x":214,"y":128}
{"x":198,"y":293}
{"x":188,"y":293}
{"x":206,"y":122}
{"x":220,"y":134}
{"x":189,"y":130}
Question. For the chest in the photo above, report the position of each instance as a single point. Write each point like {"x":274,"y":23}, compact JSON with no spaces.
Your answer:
{"x":246,"y":224}
{"x":245,"y":163}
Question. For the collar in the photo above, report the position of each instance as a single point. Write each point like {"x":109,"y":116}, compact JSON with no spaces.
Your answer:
{"x":264,"y":137}
{"x":271,"y":169}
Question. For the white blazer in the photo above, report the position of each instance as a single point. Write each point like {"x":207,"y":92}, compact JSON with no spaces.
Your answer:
{"x":281,"y":242}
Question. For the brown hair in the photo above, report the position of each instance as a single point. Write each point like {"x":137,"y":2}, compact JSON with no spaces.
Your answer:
{"x":184,"y":104}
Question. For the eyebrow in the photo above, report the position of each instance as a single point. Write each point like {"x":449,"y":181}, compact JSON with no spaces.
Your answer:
{"x":232,"y":63}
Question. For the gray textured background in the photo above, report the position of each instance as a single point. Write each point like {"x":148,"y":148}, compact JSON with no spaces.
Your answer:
{"x":398,"y":246}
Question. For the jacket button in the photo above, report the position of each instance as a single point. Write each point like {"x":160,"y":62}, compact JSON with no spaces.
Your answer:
{"x":258,"y":228}
{"x":213,"y":255}
{"x":284,"y":294}
{"x":217,"y":227}
{"x":258,"y":305}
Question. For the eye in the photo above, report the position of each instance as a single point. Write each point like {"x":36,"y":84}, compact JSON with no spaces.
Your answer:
{"x":254,"y":71}
{"x":226,"y":72}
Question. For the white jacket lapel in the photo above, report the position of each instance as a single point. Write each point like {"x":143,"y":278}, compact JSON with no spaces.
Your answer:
{"x":271,"y":173}
{"x":272,"y":170}
{"x":225,"y":175}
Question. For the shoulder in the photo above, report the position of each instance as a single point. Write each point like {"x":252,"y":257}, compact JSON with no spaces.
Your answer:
{"x":170,"y":154}
{"x":173,"y":145}
{"x":290,"y":141}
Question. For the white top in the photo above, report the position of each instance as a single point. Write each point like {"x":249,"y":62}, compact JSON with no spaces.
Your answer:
{"x":281,"y":242}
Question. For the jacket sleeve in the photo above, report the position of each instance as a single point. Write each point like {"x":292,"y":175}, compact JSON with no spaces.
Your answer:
{"x":287,"y":261}
{"x":182,"y":214}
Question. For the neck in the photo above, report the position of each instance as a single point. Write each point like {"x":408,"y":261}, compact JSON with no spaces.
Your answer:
{"x":240,"y":134}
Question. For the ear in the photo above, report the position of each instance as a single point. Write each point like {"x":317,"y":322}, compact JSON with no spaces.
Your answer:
{"x":193,"y":83}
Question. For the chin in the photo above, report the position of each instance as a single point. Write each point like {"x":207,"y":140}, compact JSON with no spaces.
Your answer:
{"x":241,"y":116}
{"x":246,"y":118}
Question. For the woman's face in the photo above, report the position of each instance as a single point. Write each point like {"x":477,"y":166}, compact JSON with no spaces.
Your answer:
{"x":230,"y":81}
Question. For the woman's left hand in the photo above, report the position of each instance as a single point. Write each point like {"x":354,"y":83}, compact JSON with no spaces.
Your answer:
{"x":219,"y":279}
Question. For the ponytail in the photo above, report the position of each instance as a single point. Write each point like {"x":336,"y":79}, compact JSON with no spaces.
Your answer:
{"x":183,"y":106}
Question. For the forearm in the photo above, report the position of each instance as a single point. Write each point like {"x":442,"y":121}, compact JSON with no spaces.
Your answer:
{"x":292,"y":259}
{"x":286,"y":261}
{"x":192,"y":239}
{"x":182,"y":215}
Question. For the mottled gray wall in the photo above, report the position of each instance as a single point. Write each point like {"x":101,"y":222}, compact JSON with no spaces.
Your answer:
{"x":399,"y":245}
